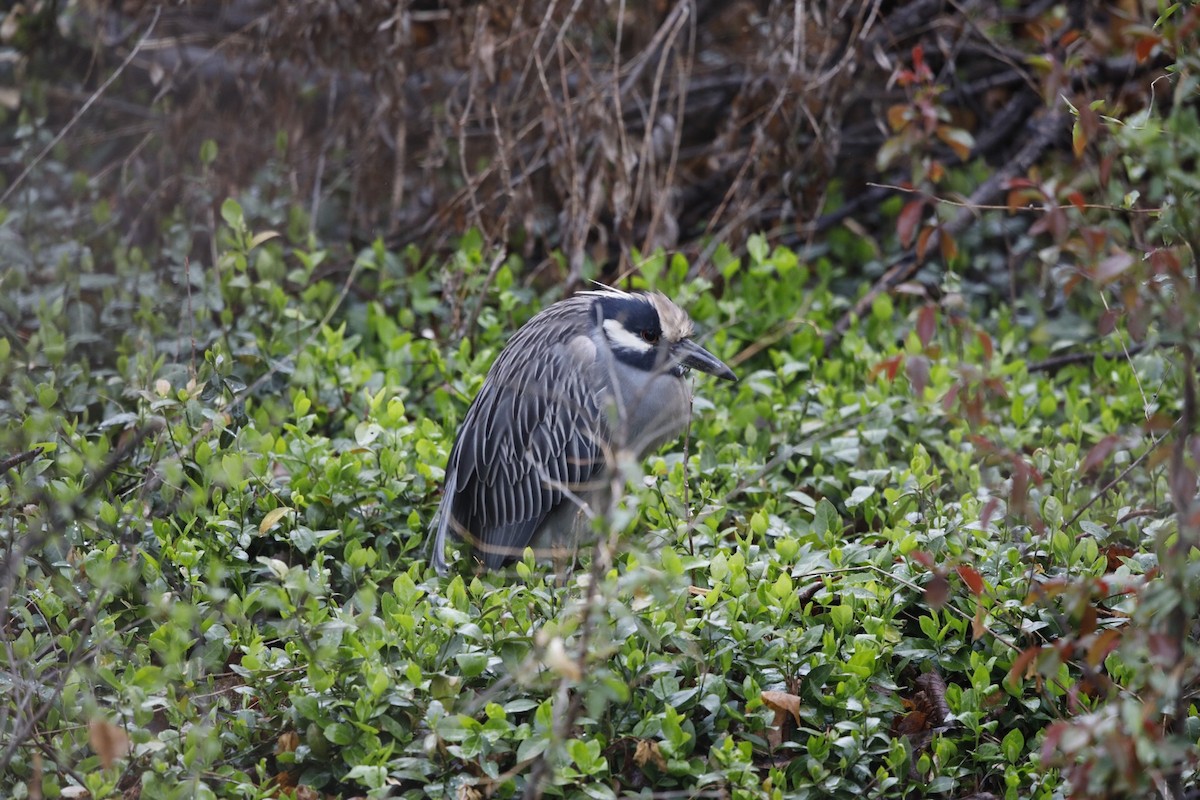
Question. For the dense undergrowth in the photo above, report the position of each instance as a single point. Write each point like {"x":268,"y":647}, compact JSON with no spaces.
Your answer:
{"x":950,"y":553}
{"x":219,"y":583}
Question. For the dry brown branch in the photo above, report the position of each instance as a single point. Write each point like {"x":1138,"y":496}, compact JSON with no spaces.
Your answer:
{"x":581,"y":126}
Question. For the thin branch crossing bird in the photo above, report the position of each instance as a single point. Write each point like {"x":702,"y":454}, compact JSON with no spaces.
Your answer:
{"x":600,"y":373}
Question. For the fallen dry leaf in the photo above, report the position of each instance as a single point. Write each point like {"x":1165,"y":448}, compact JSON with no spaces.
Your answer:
{"x":107,"y":741}
{"x":648,"y":752}
{"x":287,"y":742}
{"x":784,"y":704}
{"x":783,"y":701}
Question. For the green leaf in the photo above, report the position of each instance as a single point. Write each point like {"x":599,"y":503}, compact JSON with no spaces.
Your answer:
{"x":1013,"y":745}
{"x":758,"y":248}
{"x":231,"y":212}
{"x":472,"y":664}
{"x":208,"y":152}
{"x":339,"y":733}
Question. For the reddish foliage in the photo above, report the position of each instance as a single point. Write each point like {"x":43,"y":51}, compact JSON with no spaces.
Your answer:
{"x":971,"y":578}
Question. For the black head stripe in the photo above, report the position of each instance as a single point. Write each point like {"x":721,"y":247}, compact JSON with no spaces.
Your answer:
{"x":639,"y":317}
{"x":635,"y":312}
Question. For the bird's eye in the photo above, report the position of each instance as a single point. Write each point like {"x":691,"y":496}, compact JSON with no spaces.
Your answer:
{"x":650,"y":337}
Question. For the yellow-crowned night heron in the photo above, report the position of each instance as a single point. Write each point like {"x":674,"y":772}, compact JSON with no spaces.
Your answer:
{"x":599,"y":373}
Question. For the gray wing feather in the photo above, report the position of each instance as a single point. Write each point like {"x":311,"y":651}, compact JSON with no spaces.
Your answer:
{"x":535,"y":429}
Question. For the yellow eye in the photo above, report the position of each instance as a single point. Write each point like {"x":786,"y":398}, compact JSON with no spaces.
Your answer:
{"x":650,"y":336}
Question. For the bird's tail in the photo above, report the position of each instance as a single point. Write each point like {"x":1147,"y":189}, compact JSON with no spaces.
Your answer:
{"x":441,"y":524}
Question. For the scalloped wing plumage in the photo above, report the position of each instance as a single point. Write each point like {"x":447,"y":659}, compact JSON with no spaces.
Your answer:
{"x":535,"y":430}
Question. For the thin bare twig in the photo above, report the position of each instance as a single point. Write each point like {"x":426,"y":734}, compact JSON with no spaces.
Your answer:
{"x":83,"y":110}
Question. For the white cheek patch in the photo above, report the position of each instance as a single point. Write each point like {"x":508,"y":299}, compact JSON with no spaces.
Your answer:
{"x":622,"y":339}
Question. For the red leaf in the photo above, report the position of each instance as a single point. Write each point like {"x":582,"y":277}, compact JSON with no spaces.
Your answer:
{"x":926,"y":323}
{"x":1021,"y":666}
{"x":948,"y":245}
{"x":1165,"y":260}
{"x":889,"y":366}
{"x":923,"y":242}
{"x":1099,"y":454}
{"x":971,"y":578}
{"x":1020,"y":489}
{"x":922,"y":558}
{"x":1072,"y":283}
{"x":1145,"y":46}
{"x":909,"y":219}
{"x":1107,"y":321}
{"x":1102,"y":645}
{"x":1089,"y":120}
{"x":1050,"y":742}
{"x":1087,"y":623}
{"x":985,"y":341}
{"x":936,"y":591}
{"x":989,"y":508}
{"x":951,"y":397}
{"x":1095,"y":238}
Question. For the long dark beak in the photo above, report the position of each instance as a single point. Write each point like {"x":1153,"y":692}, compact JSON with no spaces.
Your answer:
{"x":694,"y":356}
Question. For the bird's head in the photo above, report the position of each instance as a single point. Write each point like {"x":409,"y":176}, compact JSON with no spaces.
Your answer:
{"x":649,"y":332}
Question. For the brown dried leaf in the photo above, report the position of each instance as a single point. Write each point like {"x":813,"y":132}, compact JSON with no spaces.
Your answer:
{"x":1115,"y":555}
{"x":911,"y":723}
{"x":783,"y":701}
{"x":648,"y":752}
{"x":287,"y":742}
{"x":468,"y":793}
{"x":949,"y":246}
{"x":959,"y":140}
{"x":775,"y":729}
{"x":108,"y":741}
{"x":898,"y":116}
{"x":978,"y":625}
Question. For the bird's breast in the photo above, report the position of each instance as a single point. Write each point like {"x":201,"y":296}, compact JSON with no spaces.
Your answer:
{"x":656,"y":408}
